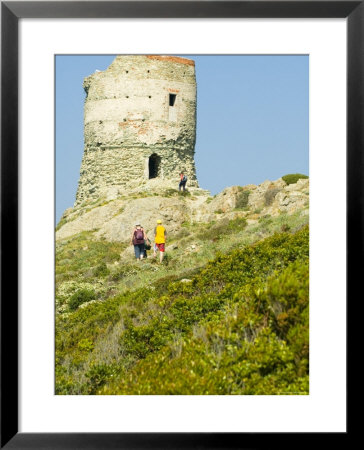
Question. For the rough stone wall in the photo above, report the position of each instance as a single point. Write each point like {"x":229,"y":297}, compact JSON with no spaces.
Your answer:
{"x":142,"y":105}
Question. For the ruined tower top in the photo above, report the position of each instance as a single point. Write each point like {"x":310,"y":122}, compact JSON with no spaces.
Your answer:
{"x":139,"y":125}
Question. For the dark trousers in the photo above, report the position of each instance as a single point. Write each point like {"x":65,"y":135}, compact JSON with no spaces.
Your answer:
{"x":139,"y":250}
{"x":182,"y":184}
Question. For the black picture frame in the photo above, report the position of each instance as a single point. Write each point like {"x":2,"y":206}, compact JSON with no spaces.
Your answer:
{"x":11,"y":12}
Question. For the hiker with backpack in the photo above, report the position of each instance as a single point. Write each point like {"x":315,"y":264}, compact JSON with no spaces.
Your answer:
{"x":160,"y":235}
{"x":183,"y":181}
{"x":138,"y":239}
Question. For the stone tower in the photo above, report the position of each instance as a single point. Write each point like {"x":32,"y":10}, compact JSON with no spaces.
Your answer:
{"x":139,"y":124}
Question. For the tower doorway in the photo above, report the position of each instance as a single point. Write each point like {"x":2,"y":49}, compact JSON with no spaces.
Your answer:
{"x":154,"y":165}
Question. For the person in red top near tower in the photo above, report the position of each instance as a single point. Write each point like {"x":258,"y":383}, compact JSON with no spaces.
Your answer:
{"x":182,"y":182}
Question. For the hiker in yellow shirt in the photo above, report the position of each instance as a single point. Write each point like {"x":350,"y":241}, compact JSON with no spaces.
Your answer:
{"x":160,"y":234}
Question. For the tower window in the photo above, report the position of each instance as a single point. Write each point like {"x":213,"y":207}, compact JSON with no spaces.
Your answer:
{"x":172,"y":99}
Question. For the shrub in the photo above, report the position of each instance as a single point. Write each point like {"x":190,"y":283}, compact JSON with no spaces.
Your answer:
{"x":80,"y":297}
{"x":258,"y":347}
{"x":101,"y":270}
{"x":270,"y":195}
{"x":98,"y":375}
{"x":237,"y":224}
{"x":86,"y":345}
{"x":251,"y":303}
{"x":242,"y":199}
{"x":215,"y":230}
{"x":292,"y":178}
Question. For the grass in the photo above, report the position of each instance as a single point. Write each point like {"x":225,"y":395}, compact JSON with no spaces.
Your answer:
{"x":239,"y":326}
{"x":79,"y":258}
{"x":60,"y":224}
{"x":226,"y":313}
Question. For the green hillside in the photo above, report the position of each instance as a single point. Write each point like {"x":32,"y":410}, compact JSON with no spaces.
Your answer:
{"x":226,"y":313}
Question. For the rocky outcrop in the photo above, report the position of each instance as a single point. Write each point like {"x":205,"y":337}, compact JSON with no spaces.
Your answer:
{"x":114,"y":220}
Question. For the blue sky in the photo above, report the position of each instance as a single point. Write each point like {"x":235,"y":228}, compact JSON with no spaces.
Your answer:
{"x":252,"y":119}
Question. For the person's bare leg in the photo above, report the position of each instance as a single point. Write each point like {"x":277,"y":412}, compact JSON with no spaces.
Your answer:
{"x":161,"y":255}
